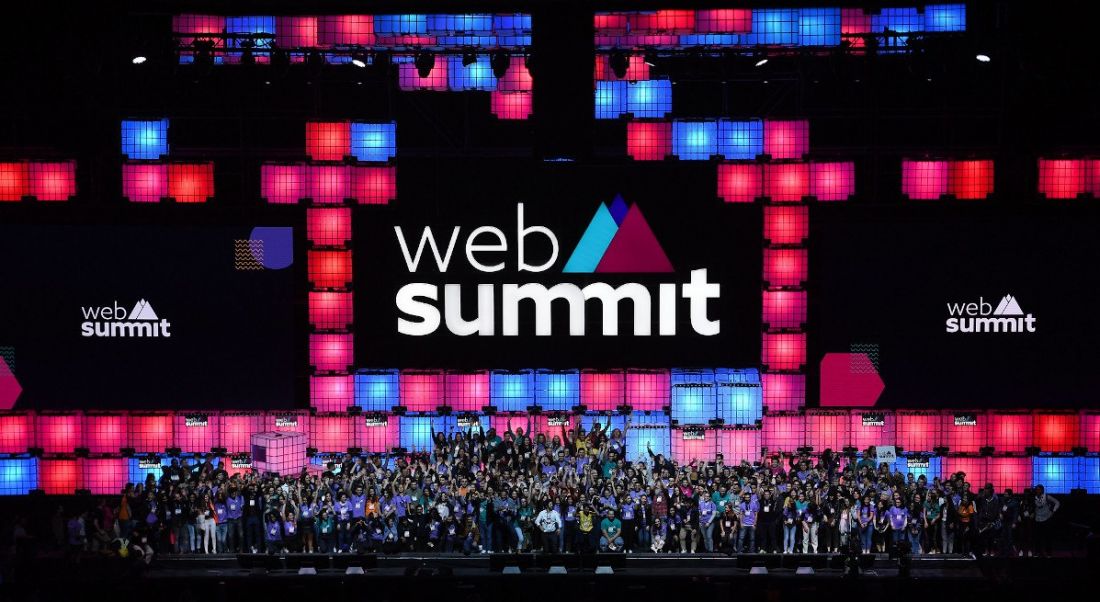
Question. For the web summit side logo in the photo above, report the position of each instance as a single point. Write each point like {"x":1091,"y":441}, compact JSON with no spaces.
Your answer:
{"x":113,"y":321}
{"x":618,"y":239}
{"x":982,"y":317}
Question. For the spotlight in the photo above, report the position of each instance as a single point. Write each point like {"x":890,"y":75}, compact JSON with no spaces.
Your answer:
{"x":651,"y":59}
{"x":762,"y":62}
{"x":500,"y":61}
{"x":137,"y":60}
{"x":469,"y":57}
{"x":425,"y":62}
{"x":983,"y":58}
{"x":358,"y":61}
{"x":619,"y":63}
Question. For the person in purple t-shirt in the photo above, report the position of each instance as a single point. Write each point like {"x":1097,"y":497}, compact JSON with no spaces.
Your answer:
{"x":748,"y":509}
{"x":273,"y":533}
{"x":899,"y":520}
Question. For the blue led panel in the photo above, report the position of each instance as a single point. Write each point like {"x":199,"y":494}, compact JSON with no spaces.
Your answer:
{"x":929,"y":466}
{"x":141,"y":467}
{"x":945,"y":17}
{"x":442,"y":25}
{"x":749,"y":376}
{"x":686,"y":376}
{"x":513,"y":41}
{"x":740,"y":139}
{"x":656,"y":437}
{"x":416,"y":433}
{"x":400,"y":25}
{"x":647,"y":419}
{"x":899,"y":20}
{"x":694,"y":140}
{"x":475,"y":76}
{"x":1089,"y":474}
{"x":376,"y":142}
{"x":774,"y":27}
{"x":610,"y":99}
{"x":18,"y":475}
{"x":710,"y":39}
{"x":618,"y":421}
{"x":377,"y":390}
{"x":694,"y":403}
{"x":1056,"y":475}
{"x":557,"y":391}
{"x":466,"y":41}
{"x":511,"y":391}
{"x":517,"y":23}
{"x":250,"y":25}
{"x":145,"y":138}
{"x":649,"y":99}
{"x":740,"y":403}
{"x":819,"y":27}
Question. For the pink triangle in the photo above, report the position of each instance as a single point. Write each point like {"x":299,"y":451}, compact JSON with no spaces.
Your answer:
{"x":634,"y":248}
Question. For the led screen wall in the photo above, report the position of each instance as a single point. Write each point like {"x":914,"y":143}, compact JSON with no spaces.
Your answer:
{"x":643,"y":233}
{"x":149,"y":315}
{"x":960,"y":305}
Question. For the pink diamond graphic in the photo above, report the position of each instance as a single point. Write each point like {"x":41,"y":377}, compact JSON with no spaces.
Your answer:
{"x":9,"y":387}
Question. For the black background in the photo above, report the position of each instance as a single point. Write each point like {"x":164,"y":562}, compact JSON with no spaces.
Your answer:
{"x":234,"y":340}
{"x":884,"y":275}
{"x":695,"y":229}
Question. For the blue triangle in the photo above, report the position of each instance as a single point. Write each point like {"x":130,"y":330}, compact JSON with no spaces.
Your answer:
{"x":593,"y":243}
{"x":619,"y":209}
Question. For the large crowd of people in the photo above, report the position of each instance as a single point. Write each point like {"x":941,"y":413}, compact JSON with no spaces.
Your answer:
{"x":480,"y":492}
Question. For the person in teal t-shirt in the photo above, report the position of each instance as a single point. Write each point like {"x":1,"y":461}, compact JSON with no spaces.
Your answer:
{"x":611,"y":530}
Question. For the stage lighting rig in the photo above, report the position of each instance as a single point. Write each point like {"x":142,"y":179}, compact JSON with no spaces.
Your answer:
{"x":425,"y":62}
{"x":500,"y":61}
{"x":619,"y":63}
{"x":469,"y":57}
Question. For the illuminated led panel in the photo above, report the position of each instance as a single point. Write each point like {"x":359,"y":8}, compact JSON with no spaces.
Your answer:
{"x":611,"y":99}
{"x":328,"y":226}
{"x":832,"y":181}
{"x":151,"y":432}
{"x":377,"y":390}
{"x":785,"y":267}
{"x":145,"y":138}
{"x":13,"y":181}
{"x":557,"y":390}
{"x":945,"y":17}
{"x":784,"y":351}
{"x":18,"y":476}
{"x":649,"y":99}
{"x":693,"y":443}
{"x":332,"y":433}
{"x":925,"y":180}
{"x":1057,"y":432}
{"x":144,"y":182}
{"x":49,"y":181}
{"x":59,"y":476}
{"x":819,"y":27}
{"x":1090,"y":431}
{"x":517,"y":78}
{"x":785,"y":182}
{"x":373,"y":142}
{"x":106,"y":432}
{"x":331,"y":393}
{"x":1088,"y":476}
{"x":694,"y":140}
{"x":739,"y":403}
{"x":740,"y":182}
{"x":1063,"y":178}
{"x":330,"y":352}
{"x":784,"y":392}
{"x":642,"y":440}
{"x":296,"y":32}
{"x":328,"y":140}
{"x":602,"y":391}
{"x":786,"y":225}
{"x":373,"y":184}
{"x":648,"y":140}
{"x":197,"y":431}
{"x":637,"y":69}
{"x":283,"y":184}
{"x":918,"y":431}
{"x":729,"y":20}
{"x":962,"y":435}
{"x":466,"y":391}
{"x":377,"y":433}
{"x":971,"y":179}
{"x":510,"y":105}
{"x":611,"y":23}
{"x":511,"y":391}
{"x":740,"y":140}
{"x":345,"y":30}
{"x":416,"y":433}
{"x":330,"y":310}
{"x":400,"y":25}
{"x":16,"y":432}
{"x":647,"y":390}
{"x":898,"y":21}
{"x":197,"y":25}
{"x":855,"y":24}
{"x":827,"y":429}
{"x":475,"y":76}
{"x":786,"y":139}
{"x":58,"y":432}
{"x":784,"y":432}
{"x":694,"y":403}
{"x":191,"y":182}
{"x":1056,"y":475}
{"x":784,"y":309}
{"x":329,"y":269}
{"x":663,"y":22}
{"x":774,"y":27}
{"x":739,"y":444}
{"x":1011,"y":432}
{"x":408,"y":78}
{"x":421,"y":390}
{"x":458,"y":24}
{"x":871,"y":427}
{"x":976,"y":469}
{"x":287,"y":421}
{"x":1010,"y":473}
{"x":237,"y":429}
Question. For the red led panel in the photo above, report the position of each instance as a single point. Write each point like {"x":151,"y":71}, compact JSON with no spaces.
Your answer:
{"x":373,"y":185}
{"x":329,"y":269}
{"x":649,"y":140}
{"x":1011,"y":432}
{"x":786,"y":139}
{"x":237,"y":429}
{"x":296,"y":32}
{"x":1093,"y":177}
{"x":377,"y":433}
{"x":13,"y":181}
{"x":1010,"y":473}
{"x":105,"y":476}
{"x":784,"y":392}
{"x":332,"y":433}
{"x":637,"y":69}
{"x":783,"y":351}
{"x":918,"y":431}
{"x":199,"y":24}
{"x":786,"y":225}
{"x":283,"y":184}
{"x":197,"y":431}
{"x":421,"y":390}
{"x":58,"y":432}
{"x":871,"y":427}
{"x":647,"y":390}
{"x":611,"y":23}
{"x":517,"y":78}
{"x":1063,"y":178}
{"x":328,"y":226}
{"x":330,"y":310}
{"x":328,"y":140}
{"x":505,"y":423}
{"x":785,"y":267}
{"x":144,"y":182}
{"x":540,"y":425}
{"x":1090,"y":431}
{"x":737,"y":444}
{"x":510,"y":105}
{"x":971,"y":180}
{"x":345,"y":30}
{"x":331,"y":352}
{"x":466,"y":391}
{"x":783,"y":432}
{"x":106,"y":432}
{"x":827,"y":430}
{"x":784,"y":309}
{"x":976,"y":469}
{"x":328,"y":184}
{"x":602,"y":391}
{"x":663,"y":21}
{"x":59,"y":476}
{"x":408,"y":77}
{"x":16,"y":432}
{"x":191,"y":182}
{"x":786,"y":181}
{"x":332,"y":393}
{"x":723,"y":20}
{"x":962,"y":437}
{"x":924,"y":180}
{"x":832,"y":181}
{"x":287,"y":421}
{"x":854,"y":24}
{"x":688,"y":447}
{"x":738,"y":182}
{"x":151,"y":432}
{"x":1057,"y":432}
{"x":54,"y":181}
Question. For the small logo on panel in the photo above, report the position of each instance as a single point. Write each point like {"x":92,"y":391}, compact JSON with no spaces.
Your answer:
{"x":983,"y":317}
{"x":113,"y":321}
